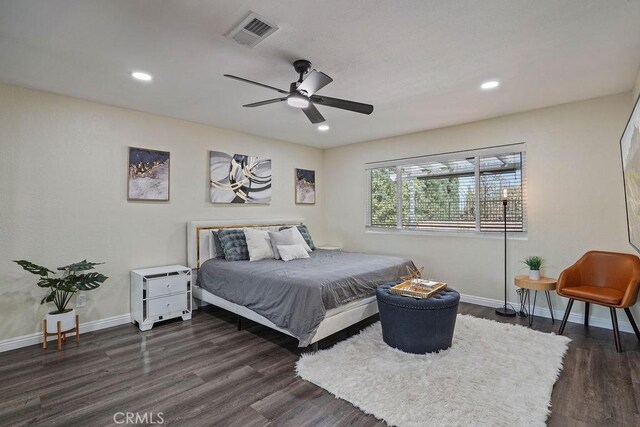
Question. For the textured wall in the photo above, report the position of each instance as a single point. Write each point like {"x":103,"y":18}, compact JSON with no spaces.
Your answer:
{"x":63,"y":170}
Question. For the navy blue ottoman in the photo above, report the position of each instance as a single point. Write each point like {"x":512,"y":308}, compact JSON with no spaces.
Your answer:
{"x":417,"y":325}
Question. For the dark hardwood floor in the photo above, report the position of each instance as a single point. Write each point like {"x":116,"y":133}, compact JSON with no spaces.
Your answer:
{"x":205,"y":372}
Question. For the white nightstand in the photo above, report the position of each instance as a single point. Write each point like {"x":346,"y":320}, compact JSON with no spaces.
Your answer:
{"x":330,"y":248}
{"x":160,"y":293}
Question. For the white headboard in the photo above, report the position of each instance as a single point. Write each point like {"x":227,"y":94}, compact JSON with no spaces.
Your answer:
{"x":199,"y":233}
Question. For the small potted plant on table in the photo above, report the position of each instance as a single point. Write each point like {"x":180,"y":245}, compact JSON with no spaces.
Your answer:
{"x":71,"y":279}
{"x":534,"y":262}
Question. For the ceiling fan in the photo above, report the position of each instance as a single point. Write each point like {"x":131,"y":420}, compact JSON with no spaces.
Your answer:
{"x":302,"y":93}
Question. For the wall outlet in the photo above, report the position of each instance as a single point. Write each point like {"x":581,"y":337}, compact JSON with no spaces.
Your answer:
{"x":81,"y":300}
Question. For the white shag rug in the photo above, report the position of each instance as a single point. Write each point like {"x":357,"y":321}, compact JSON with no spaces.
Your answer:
{"x":494,"y":374}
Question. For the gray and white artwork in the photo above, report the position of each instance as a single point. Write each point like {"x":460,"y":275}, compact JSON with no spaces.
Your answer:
{"x":237,"y":178}
{"x":630,"y":146}
{"x":305,"y":187}
{"x":148,"y":175}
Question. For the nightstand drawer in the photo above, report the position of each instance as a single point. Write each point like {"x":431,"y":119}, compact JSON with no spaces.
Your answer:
{"x":163,"y":286}
{"x":166,"y":305}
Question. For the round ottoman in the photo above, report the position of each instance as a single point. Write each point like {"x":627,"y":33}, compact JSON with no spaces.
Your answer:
{"x":417,"y":325}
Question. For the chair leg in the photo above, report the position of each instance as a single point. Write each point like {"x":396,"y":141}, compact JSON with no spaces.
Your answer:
{"x":566,"y":316}
{"x":616,"y":331}
{"x":633,"y":322}
{"x":586,"y":314}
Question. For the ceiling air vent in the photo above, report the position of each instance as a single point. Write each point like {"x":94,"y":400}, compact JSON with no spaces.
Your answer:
{"x":252,"y":30}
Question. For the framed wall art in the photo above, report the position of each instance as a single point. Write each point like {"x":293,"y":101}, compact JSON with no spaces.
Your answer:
{"x":305,"y":187}
{"x":148,"y":175}
{"x":630,"y":150}
{"x":238,"y":178}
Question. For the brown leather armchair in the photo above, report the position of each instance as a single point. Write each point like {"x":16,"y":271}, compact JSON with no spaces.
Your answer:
{"x":610,"y":279}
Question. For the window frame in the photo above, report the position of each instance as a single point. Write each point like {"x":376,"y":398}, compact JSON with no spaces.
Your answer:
{"x":398,"y":164}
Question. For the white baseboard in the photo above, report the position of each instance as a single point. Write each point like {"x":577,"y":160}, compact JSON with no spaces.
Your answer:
{"x":599,"y":322}
{"x":36,"y":338}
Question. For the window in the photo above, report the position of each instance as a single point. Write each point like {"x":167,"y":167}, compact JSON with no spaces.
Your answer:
{"x":384,"y":209}
{"x":460,"y":191}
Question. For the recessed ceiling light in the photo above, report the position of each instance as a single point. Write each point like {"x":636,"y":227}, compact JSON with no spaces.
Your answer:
{"x":323,"y":128}
{"x":491,"y":84}
{"x":142,"y":76}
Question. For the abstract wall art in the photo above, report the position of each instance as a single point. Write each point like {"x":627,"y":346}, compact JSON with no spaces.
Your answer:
{"x":148,"y":175}
{"x":305,"y":187}
{"x":630,"y":149}
{"x":237,"y":178}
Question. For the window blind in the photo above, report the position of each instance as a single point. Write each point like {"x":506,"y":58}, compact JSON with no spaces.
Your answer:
{"x":497,"y":174}
{"x":460,"y":191}
{"x":439,"y":194}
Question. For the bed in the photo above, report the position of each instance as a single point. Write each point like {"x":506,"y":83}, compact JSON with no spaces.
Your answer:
{"x":308,"y":299}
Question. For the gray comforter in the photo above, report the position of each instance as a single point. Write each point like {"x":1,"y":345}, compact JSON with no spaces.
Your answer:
{"x":295,"y":295}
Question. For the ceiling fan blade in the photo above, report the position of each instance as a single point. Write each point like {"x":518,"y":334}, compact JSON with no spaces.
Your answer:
{"x":314,"y":82}
{"x":268,"y":101}
{"x":313,"y":114}
{"x":343,"y":104}
{"x":256,"y":83}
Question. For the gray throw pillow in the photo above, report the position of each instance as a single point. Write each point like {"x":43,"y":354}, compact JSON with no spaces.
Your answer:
{"x":305,"y":234}
{"x":234,"y":244}
{"x":282,"y":238}
{"x":217,"y":251}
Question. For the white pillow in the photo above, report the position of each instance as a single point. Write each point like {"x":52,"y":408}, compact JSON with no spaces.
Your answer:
{"x":258,"y":243}
{"x":289,"y":252}
{"x":284,"y":237}
{"x":299,"y":240}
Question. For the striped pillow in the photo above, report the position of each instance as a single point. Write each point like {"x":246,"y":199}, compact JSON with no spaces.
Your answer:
{"x":215,"y":247}
{"x":234,"y":244}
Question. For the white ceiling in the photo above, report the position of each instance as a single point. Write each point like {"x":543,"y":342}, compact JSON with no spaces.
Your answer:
{"x":418,"y":62}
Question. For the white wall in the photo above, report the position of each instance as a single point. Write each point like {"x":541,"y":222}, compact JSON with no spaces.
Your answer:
{"x":575,"y":193}
{"x":636,"y":87}
{"x":63,"y":176}
{"x":63,"y":194}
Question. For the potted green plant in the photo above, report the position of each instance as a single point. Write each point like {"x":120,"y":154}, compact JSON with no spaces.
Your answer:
{"x":62,"y":286}
{"x":534,"y":263}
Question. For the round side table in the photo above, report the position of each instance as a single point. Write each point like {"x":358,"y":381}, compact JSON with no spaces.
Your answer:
{"x":545,"y":284}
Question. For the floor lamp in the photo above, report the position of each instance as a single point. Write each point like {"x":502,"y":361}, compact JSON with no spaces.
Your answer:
{"x":504,"y":310}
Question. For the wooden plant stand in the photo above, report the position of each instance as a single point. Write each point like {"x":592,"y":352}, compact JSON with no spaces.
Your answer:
{"x":62,"y":335}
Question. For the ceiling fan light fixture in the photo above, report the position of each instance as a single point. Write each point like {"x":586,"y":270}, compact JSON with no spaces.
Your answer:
{"x":302,"y":94}
{"x":298,"y":101}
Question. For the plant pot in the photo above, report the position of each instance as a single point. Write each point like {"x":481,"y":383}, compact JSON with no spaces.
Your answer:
{"x":534,"y":274}
{"x":67,"y":321}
